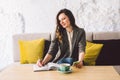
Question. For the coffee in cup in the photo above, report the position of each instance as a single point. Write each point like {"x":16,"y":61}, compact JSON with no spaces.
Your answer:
{"x":64,"y":67}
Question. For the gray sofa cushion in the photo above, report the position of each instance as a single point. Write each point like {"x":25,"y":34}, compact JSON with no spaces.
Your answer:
{"x":89,"y":36}
{"x":106,"y":35}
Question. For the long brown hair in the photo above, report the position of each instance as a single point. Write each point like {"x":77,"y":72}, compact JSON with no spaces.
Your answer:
{"x":59,"y":28}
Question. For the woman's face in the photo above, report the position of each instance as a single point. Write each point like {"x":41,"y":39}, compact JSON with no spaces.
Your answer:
{"x":64,"y":20}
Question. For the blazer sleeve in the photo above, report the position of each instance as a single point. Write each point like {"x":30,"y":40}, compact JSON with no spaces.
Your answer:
{"x":53,"y":49}
{"x":82,"y":42}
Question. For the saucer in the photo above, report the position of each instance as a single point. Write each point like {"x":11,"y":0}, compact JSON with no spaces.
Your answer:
{"x":65,"y":72}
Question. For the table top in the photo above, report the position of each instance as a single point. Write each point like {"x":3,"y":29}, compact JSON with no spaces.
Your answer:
{"x":25,"y":72}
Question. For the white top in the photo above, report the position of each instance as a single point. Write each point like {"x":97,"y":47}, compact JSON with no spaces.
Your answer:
{"x":70,"y":35}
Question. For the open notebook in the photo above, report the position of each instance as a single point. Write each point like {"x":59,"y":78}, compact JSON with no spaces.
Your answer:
{"x":49,"y":66}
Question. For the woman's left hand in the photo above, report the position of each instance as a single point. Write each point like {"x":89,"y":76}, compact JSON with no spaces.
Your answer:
{"x":78,"y":64}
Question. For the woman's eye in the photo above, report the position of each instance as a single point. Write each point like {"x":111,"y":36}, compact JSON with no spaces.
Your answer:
{"x":63,"y":18}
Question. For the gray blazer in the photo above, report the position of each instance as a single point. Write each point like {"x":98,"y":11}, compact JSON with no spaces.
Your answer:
{"x":78,"y":44}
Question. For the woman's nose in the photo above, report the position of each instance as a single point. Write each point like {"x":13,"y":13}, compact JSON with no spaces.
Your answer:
{"x":62,"y":22}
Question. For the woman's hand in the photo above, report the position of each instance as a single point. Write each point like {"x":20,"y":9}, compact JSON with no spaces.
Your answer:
{"x":78,"y":64}
{"x":39,"y":63}
{"x":47,"y":58}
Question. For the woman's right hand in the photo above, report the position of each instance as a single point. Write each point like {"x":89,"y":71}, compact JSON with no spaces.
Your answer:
{"x":39,"y":63}
{"x":47,"y":58}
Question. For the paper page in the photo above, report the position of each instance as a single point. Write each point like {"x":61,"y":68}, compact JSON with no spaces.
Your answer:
{"x":43,"y":68}
{"x":49,"y":66}
{"x":53,"y":65}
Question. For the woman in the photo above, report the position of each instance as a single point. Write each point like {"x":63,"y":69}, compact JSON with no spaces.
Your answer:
{"x":69,"y":39}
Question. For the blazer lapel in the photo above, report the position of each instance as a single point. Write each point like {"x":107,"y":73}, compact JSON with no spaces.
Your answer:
{"x":66,"y":42}
{"x":75,"y":33}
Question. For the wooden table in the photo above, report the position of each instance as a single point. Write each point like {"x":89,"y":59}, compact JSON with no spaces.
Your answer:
{"x":25,"y":72}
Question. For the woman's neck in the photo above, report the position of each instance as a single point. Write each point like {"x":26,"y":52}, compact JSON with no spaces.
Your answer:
{"x":69,"y":29}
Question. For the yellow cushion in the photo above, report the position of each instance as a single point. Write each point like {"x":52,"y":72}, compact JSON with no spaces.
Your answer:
{"x":30,"y":51}
{"x":92,"y":52}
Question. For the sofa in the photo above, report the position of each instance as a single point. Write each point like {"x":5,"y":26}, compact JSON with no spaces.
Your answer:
{"x":109,"y":54}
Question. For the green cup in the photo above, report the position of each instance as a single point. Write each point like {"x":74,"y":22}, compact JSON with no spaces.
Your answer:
{"x":64,"y":67}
